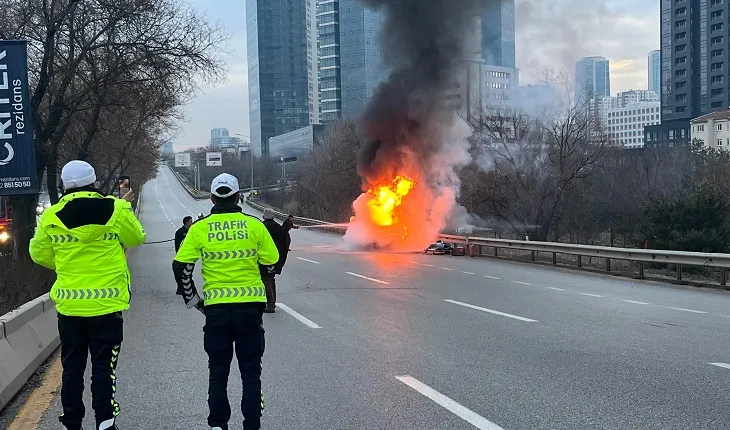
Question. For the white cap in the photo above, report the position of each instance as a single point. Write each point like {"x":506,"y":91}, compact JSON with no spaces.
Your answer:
{"x":224,"y":180}
{"x":77,"y":174}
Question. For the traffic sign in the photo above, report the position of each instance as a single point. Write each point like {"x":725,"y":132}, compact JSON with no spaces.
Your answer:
{"x":213,"y":159}
{"x":182,"y":159}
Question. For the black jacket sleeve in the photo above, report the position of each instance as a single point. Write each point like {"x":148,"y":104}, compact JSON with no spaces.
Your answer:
{"x":184,"y":277}
{"x":179,"y":236}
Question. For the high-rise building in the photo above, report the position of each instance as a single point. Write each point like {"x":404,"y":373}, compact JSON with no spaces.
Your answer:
{"x":279,"y":67}
{"x":695,"y":61}
{"x":330,"y":86}
{"x":360,"y":65}
{"x":592,"y":78}
{"x":625,"y":122}
{"x":498,"y":33}
{"x":313,"y":62}
{"x":655,"y":72}
{"x":218,"y":133}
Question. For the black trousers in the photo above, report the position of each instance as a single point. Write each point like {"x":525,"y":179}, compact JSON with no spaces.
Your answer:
{"x":238,"y":327}
{"x":270,"y":284}
{"x":102,"y":338}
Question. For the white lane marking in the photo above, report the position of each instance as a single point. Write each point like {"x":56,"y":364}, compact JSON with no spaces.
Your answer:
{"x":308,"y":260}
{"x":429,"y":265}
{"x":446,"y":268}
{"x":723,"y":365}
{"x":492,"y":277}
{"x":591,"y":295}
{"x":175,"y":195}
{"x":469,"y":273}
{"x":491,"y":311}
{"x":522,"y":283}
{"x":685,"y":310}
{"x":298,"y":316}
{"x":414,"y":262}
{"x":159,"y":200}
{"x":635,"y":302}
{"x":369,"y":279}
{"x":555,"y":288}
{"x":452,"y":406}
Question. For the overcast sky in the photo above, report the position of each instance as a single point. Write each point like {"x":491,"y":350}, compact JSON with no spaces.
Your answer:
{"x":551,"y":33}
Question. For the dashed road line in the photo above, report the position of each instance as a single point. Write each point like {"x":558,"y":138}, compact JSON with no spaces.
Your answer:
{"x":450,"y":405}
{"x":492,"y":277}
{"x":307,"y":322}
{"x":521,"y":283}
{"x":446,"y":268}
{"x":491,"y":311}
{"x":723,"y":365}
{"x":555,"y":288}
{"x":686,"y":310}
{"x":635,"y":302}
{"x":469,"y":273}
{"x":308,"y":260}
{"x":357,"y":275}
{"x":591,"y":295}
{"x":429,"y":265}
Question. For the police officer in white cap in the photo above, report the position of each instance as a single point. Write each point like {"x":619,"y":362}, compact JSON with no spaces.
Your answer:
{"x":82,"y":238}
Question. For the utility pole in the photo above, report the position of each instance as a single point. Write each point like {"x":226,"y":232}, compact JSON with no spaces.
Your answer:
{"x":250,"y":155}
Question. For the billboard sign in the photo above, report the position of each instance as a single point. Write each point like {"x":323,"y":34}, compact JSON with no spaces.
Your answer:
{"x":213,"y":159}
{"x":17,"y":148}
{"x":182,"y":160}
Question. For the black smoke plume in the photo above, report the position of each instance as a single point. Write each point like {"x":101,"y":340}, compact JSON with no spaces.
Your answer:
{"x":423,"y":43}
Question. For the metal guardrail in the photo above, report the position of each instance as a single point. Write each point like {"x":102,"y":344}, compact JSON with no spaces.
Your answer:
{"x":679,"y":259}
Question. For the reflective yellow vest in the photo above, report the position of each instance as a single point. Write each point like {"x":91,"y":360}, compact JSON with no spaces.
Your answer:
{"x":231,"y":245}
{"x":92,"y":277}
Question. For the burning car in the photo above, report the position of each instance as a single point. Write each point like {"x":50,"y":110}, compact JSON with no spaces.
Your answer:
{"x":439,"y":248}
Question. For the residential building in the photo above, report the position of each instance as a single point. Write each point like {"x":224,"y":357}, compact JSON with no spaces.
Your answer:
{"x":218,"y":133}
{"x":636,"y":96}
{"x":695,"y":63}
{"x":592,"y":78}
{"x":360,"y":64}
{"x":292,"y":145}
{"x":279,"y":68}
{"x":713,"y":129}
{"x":625,"y":123}
{"x":498,"y":33}
{"x":329,"y":71}
{"x":655,"y":72}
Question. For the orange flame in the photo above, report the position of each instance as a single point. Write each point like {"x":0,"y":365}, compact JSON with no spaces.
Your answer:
{"x":385,"y":200}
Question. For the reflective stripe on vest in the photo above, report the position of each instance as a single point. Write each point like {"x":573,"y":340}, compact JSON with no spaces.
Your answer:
{"x":229,"y":255}
{"x":225,"y":293}
{"x":67,"y":238}
{"x":104,"y":293}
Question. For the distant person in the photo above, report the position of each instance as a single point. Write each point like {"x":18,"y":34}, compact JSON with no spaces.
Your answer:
{"x":82,"y":238}
{"x":268,"y":273}
{"x":232,"y":246}
{"x":182,"y":232}
{"x":288,"y":224}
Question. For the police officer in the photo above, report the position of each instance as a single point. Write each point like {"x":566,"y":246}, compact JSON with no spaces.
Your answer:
{"x":232,"y":245}
{"x":82,"y":238}
{"x":268,"y":273}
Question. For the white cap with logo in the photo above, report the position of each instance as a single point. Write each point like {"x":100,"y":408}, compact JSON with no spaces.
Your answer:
{"x":224,"y":185}
{"x":77,"y":174}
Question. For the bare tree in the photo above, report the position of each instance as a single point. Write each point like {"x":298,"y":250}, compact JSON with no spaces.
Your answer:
{"x":87,"y":58}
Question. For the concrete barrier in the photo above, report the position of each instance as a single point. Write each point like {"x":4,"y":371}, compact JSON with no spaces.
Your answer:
{"x":28,"y":336}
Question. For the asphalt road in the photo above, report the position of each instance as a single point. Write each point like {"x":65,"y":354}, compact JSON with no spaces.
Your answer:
{"x":404,"y":341}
